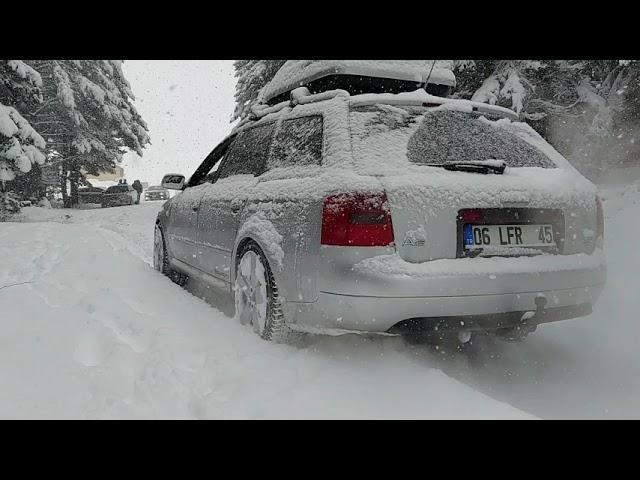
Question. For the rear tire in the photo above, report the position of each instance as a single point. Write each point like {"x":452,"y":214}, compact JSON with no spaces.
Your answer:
{"x":257,"y":301}
{"x":161,"y":259}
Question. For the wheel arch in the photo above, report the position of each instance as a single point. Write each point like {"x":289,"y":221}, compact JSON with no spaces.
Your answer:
{"x":163,"y":230}
{"x":240,"y":244}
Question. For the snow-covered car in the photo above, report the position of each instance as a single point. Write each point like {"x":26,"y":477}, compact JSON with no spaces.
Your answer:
{"x":398,"y":213}
{"x":156,"y":192}
{"x":116,"y":195}
{"x":88,"y":195}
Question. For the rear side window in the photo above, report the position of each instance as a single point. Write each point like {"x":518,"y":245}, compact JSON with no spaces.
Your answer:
{"x":298,"y":142}
{"x":248,"y":152}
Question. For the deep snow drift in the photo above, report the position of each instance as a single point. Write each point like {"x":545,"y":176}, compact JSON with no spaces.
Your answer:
{"x":97,"y":333}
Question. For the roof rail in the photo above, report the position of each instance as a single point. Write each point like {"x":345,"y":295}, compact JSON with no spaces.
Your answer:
{"x":299,"y":96}
{"x":258,"y":111}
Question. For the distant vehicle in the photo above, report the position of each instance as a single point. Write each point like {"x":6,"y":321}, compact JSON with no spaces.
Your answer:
{"x":90,"y":195}
{"x":156,"y":192}
{"x":117,"y":195}
{"x":405,"y":213}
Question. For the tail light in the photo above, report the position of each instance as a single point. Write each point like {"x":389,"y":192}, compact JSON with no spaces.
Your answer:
{"x":471,"y":215}
{"x":357,"y":219}
{"x":600,"y":219}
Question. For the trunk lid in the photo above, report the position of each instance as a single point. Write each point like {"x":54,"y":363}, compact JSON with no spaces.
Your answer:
{"x":405,"y":147}
{"x":426,"y":209}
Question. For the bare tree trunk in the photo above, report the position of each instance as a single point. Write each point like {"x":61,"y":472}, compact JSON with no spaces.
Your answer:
{"x":63,"y":185}
{"x":74,"y":177}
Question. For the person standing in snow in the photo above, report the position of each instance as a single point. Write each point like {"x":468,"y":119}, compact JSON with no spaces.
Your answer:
{"x":137,"y":186}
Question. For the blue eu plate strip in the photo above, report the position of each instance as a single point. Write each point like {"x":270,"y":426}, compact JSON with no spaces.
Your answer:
{"x":468,"y":235}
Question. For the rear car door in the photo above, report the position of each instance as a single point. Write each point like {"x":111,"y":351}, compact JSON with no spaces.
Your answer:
{"x":182,"y":223}
{"x":298,"y":143}
{"x":223,"y":200}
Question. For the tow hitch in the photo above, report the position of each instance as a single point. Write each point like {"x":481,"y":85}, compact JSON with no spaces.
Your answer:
{"x":528,"y":322}
{"x":533,"y":318}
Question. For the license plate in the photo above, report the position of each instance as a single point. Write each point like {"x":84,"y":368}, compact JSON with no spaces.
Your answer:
{"x":478,"y":236}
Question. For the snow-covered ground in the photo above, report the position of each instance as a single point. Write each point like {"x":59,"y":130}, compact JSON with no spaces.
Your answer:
{"x":90,"y":330}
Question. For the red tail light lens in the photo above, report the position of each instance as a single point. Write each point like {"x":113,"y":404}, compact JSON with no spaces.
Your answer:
{"x":357,"y":219}
{"x":600,"y":219}
{"x":471,"y":215}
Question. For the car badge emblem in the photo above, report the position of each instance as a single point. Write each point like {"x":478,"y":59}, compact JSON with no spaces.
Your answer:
{"x":410,"y":241}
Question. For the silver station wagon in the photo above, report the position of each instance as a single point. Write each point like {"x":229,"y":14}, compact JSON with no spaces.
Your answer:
{"x":398,"y":213}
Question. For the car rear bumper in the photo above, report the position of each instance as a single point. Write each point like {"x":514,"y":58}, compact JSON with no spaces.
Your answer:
{"x":117,"y":201}
{"x":382,"y":314}
{"x":471,"y":294}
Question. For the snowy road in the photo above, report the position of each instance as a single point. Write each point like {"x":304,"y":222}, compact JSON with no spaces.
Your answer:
{"x":97,"y":333}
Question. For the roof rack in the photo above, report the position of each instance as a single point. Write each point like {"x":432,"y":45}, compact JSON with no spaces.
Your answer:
{"x":301,"y":96}
{"x":388,"y":75}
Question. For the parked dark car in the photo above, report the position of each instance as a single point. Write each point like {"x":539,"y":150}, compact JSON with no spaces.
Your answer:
{"x":117,"y":195}
{"x":156,"y":192}
{"x":90,"y":194}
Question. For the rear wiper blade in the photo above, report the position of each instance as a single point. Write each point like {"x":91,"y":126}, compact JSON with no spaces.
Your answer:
{"x":487,"y":166}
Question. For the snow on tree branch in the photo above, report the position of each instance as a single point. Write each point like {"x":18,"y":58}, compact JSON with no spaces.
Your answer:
{"x":20,"y":144}
{"x":507,"y":83}
{"x":26,"y":72}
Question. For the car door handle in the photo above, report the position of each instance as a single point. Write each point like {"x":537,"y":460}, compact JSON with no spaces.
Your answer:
{"x":236,"y":207}
{"x":195,"y":209}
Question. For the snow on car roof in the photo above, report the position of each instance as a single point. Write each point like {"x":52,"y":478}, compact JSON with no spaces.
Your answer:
{"x":295,"y":73}
{"x":262,"y":112}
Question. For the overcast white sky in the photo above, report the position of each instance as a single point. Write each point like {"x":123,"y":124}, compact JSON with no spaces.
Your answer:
{"x":187,"y":106}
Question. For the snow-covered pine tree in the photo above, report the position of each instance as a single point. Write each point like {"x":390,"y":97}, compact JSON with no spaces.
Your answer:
{"x":90,"y":117}
{"x":599,"y":129}
{"x":20,"y":145}
{"x":508,"y":83}
{"x":583,"y":108}
{"x":252,"y":76}
{"x":623,"y":98}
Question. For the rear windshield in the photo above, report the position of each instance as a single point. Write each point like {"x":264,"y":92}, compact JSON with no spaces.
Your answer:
{"x":117,"y":189}
{"x":426,"y":136}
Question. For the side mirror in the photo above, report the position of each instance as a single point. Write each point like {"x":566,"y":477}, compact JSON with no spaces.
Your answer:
{"x":173,"y":181}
